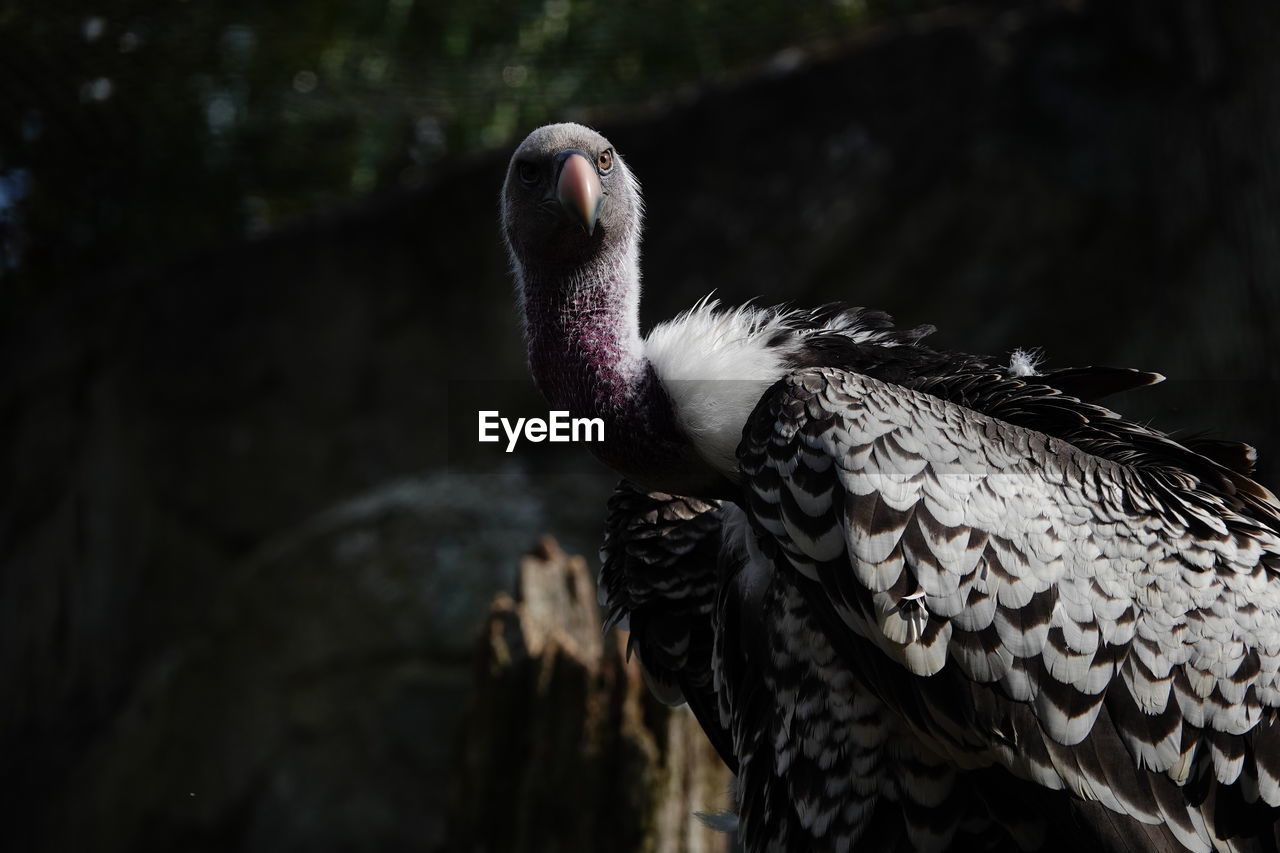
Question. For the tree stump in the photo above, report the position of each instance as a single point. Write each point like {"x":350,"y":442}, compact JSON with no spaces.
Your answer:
{"x":564,"y":748}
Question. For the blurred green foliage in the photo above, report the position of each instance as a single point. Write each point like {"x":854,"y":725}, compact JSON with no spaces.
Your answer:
{"x":134,"y":130}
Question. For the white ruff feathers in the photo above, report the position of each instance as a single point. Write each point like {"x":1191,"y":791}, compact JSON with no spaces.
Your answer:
{"x":1024,"y":362}
{"x":715,"y":365}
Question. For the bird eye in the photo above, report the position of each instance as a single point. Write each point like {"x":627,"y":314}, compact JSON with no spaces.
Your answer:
{"x":605,"y":161}
{"x":527,"y":172}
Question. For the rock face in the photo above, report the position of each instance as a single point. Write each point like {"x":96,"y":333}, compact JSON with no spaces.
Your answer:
{"x":314,"y":707}
{"x":564,"y":748}
{"x":176,"y":617}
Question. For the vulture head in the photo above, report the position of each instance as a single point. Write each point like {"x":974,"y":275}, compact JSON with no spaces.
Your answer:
{"x":571,"y":216}
{"x":568,"y":200}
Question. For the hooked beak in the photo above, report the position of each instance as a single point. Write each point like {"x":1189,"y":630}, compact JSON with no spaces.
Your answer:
{"x":578,"y":190}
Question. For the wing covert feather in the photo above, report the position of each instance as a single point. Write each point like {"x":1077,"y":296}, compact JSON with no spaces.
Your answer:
{"x":1076,"y":577}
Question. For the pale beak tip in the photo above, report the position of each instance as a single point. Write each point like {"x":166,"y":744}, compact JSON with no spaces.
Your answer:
{"x":579,"y":191}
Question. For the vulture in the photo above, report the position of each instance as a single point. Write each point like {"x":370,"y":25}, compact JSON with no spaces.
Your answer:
{"x":919,"y":600}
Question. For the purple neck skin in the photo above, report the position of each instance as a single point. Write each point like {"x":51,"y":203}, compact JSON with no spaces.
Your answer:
{"x":584,"y":350}
{"x":586,"y":355}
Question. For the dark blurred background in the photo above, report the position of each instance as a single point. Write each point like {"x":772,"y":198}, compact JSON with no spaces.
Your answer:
{"x":252,"y":295}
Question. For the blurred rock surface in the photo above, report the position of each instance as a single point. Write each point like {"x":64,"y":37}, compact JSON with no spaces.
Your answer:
{"x":564,"y":748}
{"x":315,"y":708}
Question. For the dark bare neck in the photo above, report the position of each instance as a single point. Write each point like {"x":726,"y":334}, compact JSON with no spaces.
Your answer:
{"x":587,"y":357}
{"x":583,"y":331}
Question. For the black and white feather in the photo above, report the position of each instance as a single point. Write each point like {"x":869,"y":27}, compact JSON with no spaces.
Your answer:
{"x":920,"y":600}
{"x":1089,"y":606}
{"x":659,"y":582}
